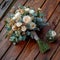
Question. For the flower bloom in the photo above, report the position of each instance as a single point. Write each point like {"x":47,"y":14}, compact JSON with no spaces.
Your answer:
{"x":27,"y":19}
{"x":27,"y":9}
{"x":18,"y":24}
{"x":53,"y":33}
{"x":13,"y":27}
{"x":32,"y":25}
{"x":17,"y":15}
{"x":23,"y":28}
{"x":31,"y":11}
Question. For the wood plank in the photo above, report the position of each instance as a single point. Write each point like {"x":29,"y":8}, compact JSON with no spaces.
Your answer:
{"x":54,"y":46}
{"x":1,"y":1}
{"x":28,"y":52}
{"x":55,"y":19}
{"x":57,"y":55}
{"x":6,"y":6}
{"x":5,"y":44}
{"x":14,"y":51}
{"x":49,"y":7}
{"x":35,"y":3}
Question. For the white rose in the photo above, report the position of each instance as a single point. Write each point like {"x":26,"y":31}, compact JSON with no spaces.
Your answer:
{"x":31,"y":11}
{"x":27,"y":9}
{"x":23,"y":28}
{"x":17,"y":15}
{"x":53,"y":33}
{"x":27,"y":19}
{"x":18,"y":24}
{"x":32,"y":25}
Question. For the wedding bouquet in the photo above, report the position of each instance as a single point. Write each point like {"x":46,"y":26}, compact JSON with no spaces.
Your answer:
{"x":25,"y":22}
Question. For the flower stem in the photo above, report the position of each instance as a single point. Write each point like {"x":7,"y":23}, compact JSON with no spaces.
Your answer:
{"x":42,"y":46}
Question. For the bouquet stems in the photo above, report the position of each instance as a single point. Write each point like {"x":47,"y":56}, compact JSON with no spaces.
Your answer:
{"x":42,"y":46}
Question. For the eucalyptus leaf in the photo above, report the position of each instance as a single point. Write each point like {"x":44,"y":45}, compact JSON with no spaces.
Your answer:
{"x":28,"y":33}
{"x":12,"y":38}
{"x":23,"y":37}
{"x":20,"y":37}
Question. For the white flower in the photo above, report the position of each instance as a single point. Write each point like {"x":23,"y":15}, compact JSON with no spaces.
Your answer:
{"x":27,"y":19}
{"x":17,"y":11}
{"x":23,"y":28}
{"x":27,"y":9}
{"x":31,"y":11}
{"x":32,"y":25}
{"x":18,"y":24}
{"x":13,"y":27}
{"x":17,"y":15}
{"x":53,"y":33}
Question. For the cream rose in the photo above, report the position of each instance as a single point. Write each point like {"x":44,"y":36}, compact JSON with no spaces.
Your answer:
{"x":27,"y":9}
{"x":27,"y":19}
{"x":18,"y":24}
{"x":32,"y":25}
{"x":23,"y":28}
{"x":17,"y":15}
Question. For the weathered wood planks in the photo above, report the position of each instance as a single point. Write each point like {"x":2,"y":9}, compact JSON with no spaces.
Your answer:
{"x":29,"y":50}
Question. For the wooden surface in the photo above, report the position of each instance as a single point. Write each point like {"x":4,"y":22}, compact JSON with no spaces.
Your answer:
{"x":29,"y":50}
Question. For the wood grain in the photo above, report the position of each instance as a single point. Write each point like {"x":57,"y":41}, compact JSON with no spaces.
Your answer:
{"x":3,"y":10}
{"x":30,"y":50}
{"x":57,"y":55}
{"x":5,"y":44}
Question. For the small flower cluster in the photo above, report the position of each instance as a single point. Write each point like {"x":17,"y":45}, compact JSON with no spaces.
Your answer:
{"x":51,"y":36}
{"x":24,"y":20}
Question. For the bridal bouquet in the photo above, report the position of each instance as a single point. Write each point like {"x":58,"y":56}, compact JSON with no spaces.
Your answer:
{"x":25,"y":22}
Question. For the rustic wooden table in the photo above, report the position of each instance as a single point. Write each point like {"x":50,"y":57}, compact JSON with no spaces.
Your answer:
{"x":29,"y":50}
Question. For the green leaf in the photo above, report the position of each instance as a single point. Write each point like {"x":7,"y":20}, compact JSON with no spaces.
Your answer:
{"x":20,"y":6}
{"x":12,"y":38}
{"x":20,"y":37}
{"x":23,"y":37}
